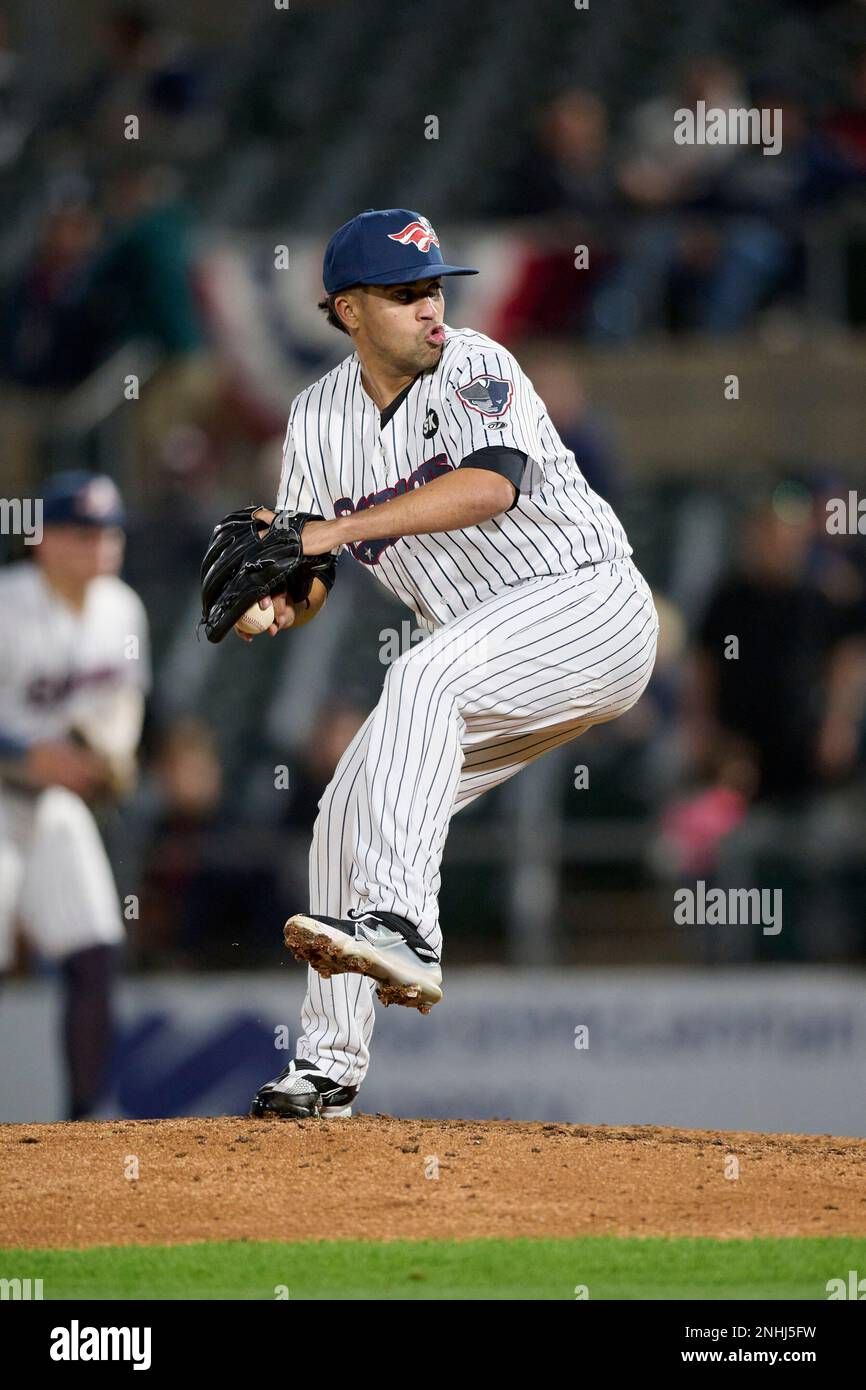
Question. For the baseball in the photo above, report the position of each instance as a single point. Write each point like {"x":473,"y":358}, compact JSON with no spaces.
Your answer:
{"x":256,"y":619}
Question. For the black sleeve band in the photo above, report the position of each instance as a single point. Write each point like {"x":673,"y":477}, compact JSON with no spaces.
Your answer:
{"x":499,"y":458}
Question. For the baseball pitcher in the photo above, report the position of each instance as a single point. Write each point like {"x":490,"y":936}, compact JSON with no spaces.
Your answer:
{"x":428,"y":455}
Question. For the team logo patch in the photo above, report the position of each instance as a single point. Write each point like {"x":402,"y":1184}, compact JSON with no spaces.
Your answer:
{"x":418,"y":233}
{"x":98,"y":499}
{"x":489,"y":395}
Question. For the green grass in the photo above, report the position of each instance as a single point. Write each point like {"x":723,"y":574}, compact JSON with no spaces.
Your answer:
{"x":647,"y":1268}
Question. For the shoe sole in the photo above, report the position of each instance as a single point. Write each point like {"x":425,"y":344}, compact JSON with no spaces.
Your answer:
{"x":330,"y":952}
{"x":333,"y":1112}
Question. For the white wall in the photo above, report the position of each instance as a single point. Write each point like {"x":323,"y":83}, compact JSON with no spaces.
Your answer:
{"x":781,"y":1050}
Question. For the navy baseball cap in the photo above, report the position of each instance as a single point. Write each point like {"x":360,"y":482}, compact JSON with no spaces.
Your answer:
{"x":78,"y":498}
{"x":385,"y":247}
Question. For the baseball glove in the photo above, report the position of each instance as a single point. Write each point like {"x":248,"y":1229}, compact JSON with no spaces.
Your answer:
{"x":241,"y":566}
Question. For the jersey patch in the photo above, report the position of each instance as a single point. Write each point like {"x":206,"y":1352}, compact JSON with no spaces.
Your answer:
{"x":488,"y":395}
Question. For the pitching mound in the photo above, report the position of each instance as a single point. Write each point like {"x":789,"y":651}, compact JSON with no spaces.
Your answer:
{"x":147,"y":1182}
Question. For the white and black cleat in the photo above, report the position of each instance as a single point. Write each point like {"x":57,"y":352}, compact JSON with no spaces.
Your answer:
{"x":300,"y":1092}
{"x":379,"y":944}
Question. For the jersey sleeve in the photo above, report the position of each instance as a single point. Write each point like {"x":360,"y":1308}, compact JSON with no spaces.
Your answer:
{"x":294,"y":493}
{"x":508,"y":463}
{"x":140,"y":672}
{"x":13,"y":740}
{"x":490,"y":404}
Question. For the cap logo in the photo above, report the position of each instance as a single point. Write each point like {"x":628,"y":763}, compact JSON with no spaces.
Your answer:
{"x":97,"y":499}
{"x":418,"y":233}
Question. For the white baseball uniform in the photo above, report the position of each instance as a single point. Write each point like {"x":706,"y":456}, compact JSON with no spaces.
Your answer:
{"x":540,"y":626}
{"x":61,"y":669}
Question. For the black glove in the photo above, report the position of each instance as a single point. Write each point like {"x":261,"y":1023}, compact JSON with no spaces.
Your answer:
{"x":240,"y":566}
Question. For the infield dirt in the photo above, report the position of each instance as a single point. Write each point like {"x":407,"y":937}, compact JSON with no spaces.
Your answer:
{"x":379,"y":1178}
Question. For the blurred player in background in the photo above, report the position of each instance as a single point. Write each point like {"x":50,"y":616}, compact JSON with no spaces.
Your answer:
{"x":73,"y":677}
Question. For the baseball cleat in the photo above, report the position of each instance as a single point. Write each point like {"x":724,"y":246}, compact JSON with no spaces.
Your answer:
{"x":379,"y":944}
{"x":300,"y":1092}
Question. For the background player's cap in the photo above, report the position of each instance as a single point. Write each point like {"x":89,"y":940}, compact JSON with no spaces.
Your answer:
{"x":81,"y":499}
{"x":390,"y":246}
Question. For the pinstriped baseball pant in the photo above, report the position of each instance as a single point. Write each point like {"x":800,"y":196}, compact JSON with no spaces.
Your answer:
{"x":493,"y":689}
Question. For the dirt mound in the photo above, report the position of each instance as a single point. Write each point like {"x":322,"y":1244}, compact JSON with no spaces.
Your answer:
{"x":163,"y":1181}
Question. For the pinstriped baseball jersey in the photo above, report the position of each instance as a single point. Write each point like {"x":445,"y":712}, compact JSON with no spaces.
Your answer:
{"x":61,"y":668}
{"x":342,"y":454}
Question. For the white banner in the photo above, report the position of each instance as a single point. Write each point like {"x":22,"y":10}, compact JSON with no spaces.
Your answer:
{"x":722,"y":1049}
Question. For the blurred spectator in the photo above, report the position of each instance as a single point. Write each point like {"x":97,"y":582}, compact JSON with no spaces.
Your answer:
{"x":837,"y":562}
{"x":215,"y":889}
{"x":146,"y":261}
{"x":567,"y":167}
{"x":335,"y":727}
{"x":691,"y":236}
{"x":168,"y":538}
{"x":146,"y":270}
{"x":566,"y":181}
{"x":90,"y":286}
{"x":721,"y":227}
{"x":774,"y":721}
{"x":558,"y":381}
{"x":654,"y":171}
{"x":788,"y":698}
{"x":209,"y":885}
{"x":53,"y":329}
{"x":148,"y":71}
{"x":15,"y":116}
{"x":847,"y":128}
{"x":764,"y":204}
{"x":660,"y":180}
